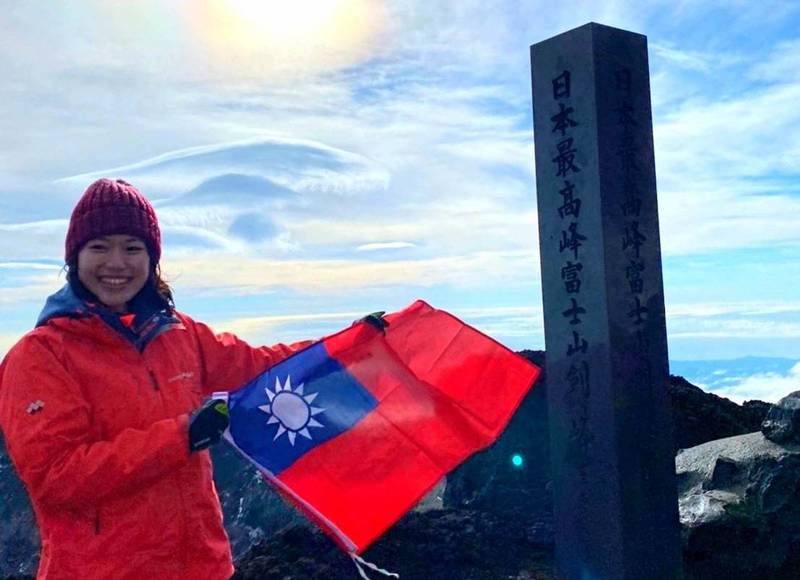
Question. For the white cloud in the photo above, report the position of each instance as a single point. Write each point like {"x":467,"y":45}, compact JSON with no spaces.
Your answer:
{"x":298,"y":164}
{"x":521,"y":325}
{"x":688,"y":59}
{"x":734,"y":320}
{"x":220,"y":274}
{"x":498,"y":322}
{"x":749,"y":135}
{"x":34,"y":291}
{"x":750,"y":329}
{"x":7,"y":340}
{"x":32,"y":241}
{"x":748,"y":308}
{"x":770,"y":387}
{"x":384,"y":246}
{"x":781,"y":66}
{"x":717,"y":163}
{"x":255,"y":328}
{"x":28,"y":266}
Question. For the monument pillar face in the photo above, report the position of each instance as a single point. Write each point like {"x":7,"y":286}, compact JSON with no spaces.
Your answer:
{"x":615,"y":498}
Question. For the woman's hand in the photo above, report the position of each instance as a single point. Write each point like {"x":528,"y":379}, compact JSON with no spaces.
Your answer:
{"x":375,"y":319}
{"x":207,"y":424}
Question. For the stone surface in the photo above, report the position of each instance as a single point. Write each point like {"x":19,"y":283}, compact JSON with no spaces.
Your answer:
{"x":604,"y":319}
{"x":782,"y":423}
{"x":433,"y":545}
{"x":740,"y":509}
{"x":699,"y":417}
{"x":252,"y":509}
{"x":19,"y":539}
{"x":490,"y":481}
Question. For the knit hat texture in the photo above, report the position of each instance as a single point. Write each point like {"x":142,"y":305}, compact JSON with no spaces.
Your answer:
{"x":108,"y":207}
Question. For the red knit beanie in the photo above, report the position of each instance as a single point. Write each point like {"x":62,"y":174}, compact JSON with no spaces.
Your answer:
{"x":112,"y":206}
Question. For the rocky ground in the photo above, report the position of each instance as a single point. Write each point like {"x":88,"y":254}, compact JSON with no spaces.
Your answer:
{"x":451,"y":544}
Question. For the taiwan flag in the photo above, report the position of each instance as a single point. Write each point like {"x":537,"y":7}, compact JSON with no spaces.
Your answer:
{"x":356,"y":428}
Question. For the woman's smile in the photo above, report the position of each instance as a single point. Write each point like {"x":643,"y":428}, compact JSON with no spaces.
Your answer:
{"x":114,"y":268}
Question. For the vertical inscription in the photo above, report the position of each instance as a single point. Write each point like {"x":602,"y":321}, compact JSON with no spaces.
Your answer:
{"x":571,"y":246}
{"x":633,"y":241}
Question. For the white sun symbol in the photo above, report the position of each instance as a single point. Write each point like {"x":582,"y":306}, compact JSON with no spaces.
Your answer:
{"x":291,"y":410}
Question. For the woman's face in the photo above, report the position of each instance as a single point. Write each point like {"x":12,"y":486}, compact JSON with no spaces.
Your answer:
{"x":114,"y":268}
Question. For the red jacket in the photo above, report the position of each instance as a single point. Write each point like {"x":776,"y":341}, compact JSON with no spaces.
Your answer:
{"x":95,"y":422}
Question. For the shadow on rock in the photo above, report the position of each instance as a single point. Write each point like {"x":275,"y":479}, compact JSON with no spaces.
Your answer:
{"x":439,"y":544}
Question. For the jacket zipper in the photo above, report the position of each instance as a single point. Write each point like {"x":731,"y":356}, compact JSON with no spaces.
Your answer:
{"x":153,"y":379}
{"x":97,"y":522}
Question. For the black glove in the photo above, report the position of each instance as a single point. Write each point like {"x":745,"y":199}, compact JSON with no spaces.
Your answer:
{"x":207,"y":424}
{"x":375,"y":319}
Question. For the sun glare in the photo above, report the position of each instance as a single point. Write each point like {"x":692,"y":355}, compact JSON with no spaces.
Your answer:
{"x":280,"y":34}
{"x":286,"y":20}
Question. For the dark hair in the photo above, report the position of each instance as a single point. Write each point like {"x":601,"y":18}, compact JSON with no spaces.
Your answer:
{"x":155,"y":285}
{"x":163,"y":289}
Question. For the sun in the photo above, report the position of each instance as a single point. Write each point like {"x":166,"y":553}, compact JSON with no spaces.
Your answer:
{"x":286,"y":38}
{"x":288,"y":21}
{"x":291,"y":410}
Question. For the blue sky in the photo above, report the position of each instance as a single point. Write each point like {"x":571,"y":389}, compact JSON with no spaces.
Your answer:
{"x":316,"y":160}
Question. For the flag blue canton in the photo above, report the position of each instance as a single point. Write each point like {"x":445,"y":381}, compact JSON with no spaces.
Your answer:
{"x":296,"y":405}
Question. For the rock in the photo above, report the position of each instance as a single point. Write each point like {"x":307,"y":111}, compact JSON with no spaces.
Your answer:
{"x":252,"y":509}
{"x":739,"y":502}
{"x":434,"y":499}
{"x":441,"y":544}
{"x":782,"y":424}
{"x":699,"y":416}
{"x":19,"y":537}
{"x":490,"y":481}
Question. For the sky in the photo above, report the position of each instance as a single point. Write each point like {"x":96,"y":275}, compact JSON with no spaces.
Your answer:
{"x":316,"y":160}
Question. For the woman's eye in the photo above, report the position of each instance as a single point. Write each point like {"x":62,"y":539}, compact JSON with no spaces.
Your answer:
{"x":135,"y":249}
{"x":97,"y":247}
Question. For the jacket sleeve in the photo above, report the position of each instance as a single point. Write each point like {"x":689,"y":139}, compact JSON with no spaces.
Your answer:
{"x":229,"y":363}
{"x":46,"y":421}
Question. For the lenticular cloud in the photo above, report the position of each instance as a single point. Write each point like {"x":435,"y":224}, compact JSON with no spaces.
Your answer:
{"x":302,"y":166}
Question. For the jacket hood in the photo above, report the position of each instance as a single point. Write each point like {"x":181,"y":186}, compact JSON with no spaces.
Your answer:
{"x":152,"y":314}
{"x":75,"y":301}
{"x":63,"y":303}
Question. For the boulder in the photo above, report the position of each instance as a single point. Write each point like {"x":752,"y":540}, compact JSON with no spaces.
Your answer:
{"x":782,"y":423}
{"x":739,"y":502}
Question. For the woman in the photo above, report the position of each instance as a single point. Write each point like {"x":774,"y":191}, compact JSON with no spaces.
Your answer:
{"x":101,"y":407}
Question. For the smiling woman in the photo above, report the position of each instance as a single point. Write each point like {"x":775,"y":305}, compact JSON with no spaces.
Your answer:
{"x":309,"y":34}
{"x":105,"y":408}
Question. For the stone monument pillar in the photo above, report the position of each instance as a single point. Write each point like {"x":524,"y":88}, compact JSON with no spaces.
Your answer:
{"x":615,"y":501}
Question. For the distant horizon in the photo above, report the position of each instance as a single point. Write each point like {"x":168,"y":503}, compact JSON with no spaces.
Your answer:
{"x":314,"y":161}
